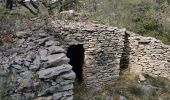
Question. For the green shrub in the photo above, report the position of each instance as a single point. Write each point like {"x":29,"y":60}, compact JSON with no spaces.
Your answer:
{"x":135,"y":90}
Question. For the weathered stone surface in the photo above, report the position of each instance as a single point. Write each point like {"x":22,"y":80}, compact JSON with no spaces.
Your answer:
{"x":22,"y":34}
{"x":69,"y":76}
{"x":149,"y":56}
{"x":55,"y":49}
{"x":50,"y":72}
{"x":55,"y":59}
{"x":30,"y":58}
{"x":57,"y":96}
{"x":25,"y":83}
{"x":49,"y":43}
{"x":142,"y":78}
{"x":40,"y":62}
{"x":43,"y":52}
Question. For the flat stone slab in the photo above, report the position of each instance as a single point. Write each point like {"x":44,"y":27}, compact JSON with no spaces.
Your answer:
{"x":50,"y":72}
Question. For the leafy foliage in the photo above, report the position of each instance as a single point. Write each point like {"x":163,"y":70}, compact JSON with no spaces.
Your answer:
{"x":146,"y":17}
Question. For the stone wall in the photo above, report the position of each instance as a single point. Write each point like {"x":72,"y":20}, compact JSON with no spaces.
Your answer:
{"x":103,"y":49}
{"x":39,"y":68}
{"x":148,"y":55}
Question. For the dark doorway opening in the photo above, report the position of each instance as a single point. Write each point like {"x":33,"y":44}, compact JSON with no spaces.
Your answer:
{"x":76,"y":55}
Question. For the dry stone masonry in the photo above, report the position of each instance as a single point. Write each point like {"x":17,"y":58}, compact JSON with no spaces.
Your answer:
{"x":39,"y":67}
{"x":148,"y":55}
{"x":41,"y":70}
{"x":103,"y":49}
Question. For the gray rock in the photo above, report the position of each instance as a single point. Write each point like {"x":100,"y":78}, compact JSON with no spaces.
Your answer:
{"x":26,"y":63}
{"x":42,"y":41}
{"x":16,"y":97}
{"x":36,"y":62}
{"x":44,"y":98}
{"x":55,"y":59}
{"x":69,"y":76}
{"x":55,"y":49}
{"x":42,"y":34}
{"x":50,"y":72}
{"x":18,"y":60}
{"x":33,"y":67}
{"x":68,"y":93}
{"x":57,"y":89}
{"x":65,"y":82}
{"x":25,"y":83}
{"x":69,"y":98}
{"x":21,"y":41}
{"x":66,"y":87}
{"x":57,"y":96}
{"x":43,"y":52}
{"x":49,"y":43}
{"x":26,"y":75}
{"x":22,"y":34}
{"x":43,"y":58}
{"x":17,"y":67}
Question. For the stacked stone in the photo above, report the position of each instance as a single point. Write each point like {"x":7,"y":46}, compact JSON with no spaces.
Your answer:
{"x":103,"y":49}
{"x":39,"y":66}
{"x":148,"y":55}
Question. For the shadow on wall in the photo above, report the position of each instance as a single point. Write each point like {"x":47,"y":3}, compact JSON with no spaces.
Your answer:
{"x":124,"y":61}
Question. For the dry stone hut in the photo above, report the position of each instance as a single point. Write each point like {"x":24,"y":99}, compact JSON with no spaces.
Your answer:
{"x":46,"y":62}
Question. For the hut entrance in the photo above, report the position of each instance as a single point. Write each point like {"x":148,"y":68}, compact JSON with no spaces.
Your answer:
{"x":76,"y":55}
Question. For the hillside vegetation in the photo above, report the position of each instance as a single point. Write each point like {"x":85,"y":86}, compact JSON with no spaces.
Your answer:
{"x":145,"y":17}
{"x":128,"y":87}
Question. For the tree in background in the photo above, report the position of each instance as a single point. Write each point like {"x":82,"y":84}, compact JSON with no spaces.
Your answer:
{"x":34,"y":6}
{"x":145,"y":17}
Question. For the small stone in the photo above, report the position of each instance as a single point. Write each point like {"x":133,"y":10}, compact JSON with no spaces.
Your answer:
{"x":21,"y":41}
{"x":26,"y":75}
{"x":36,"y":62}
{"x":18,"y":60}
{"x":42,"y":41}
{"x":16,"y":97}
{"x":25,"y":83}
{"x":142,"y":78}
{"x":55,"y":59}
{"x":26,"y":63}
{"x":33,"y":67}
{"x":43,"y":52}
{"x":157,"y":72}
{"x":50,"y":72}
{"x":70,"y":76}
{"x":43,"y":58}
{"x":17,"y":67}
{"x":57,"y":96}
{"x":21,"y":34}
{"x":42,"y":35}
{"x":55,"y":49}
{"x":49,"y":43}
{"x":45,"y":98}
{"x":69,"y":98}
